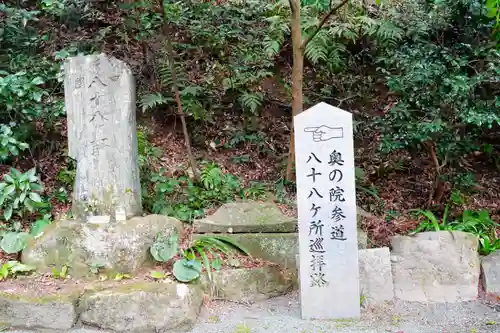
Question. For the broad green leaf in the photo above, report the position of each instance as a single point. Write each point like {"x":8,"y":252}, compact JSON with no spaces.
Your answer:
{"x":8,"y":190}
{"x":31,"y":174}
{"x":36,"y":187}
{"x":35,"y":197}
{"x":29,"y":205}
{"x":8,"y":178}
{"x":38,"y":226}
{"x":16,"y":174}
{"x":7,"y":213}
{"x":13,"y":242}
{"x":37,"y":80}
{"x":187,"y":271}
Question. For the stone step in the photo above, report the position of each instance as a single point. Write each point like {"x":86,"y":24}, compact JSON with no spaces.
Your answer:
{"x":252,"y":217}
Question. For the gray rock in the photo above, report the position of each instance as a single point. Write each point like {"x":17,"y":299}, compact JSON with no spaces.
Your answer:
{"x":246,"y":217}
{"x":490,"y":266}
{"x":375,"y":276}
{"x":48,"y":312}
{"x":247,"y":284}
{"x":122,"y":247}
{"x":436,"y":267}
{"x":143,"y":307}
{"x":102,"y":136}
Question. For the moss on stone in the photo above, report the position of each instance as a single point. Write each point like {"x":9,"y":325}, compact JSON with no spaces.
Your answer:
{"x":70,"y":297}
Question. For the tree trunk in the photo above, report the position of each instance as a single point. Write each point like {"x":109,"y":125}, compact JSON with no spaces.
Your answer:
{"x":297,"y":78}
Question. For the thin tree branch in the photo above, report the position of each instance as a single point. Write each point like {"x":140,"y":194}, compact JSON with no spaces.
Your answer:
{"x":323,"y":21}
{"x":171,"y":59}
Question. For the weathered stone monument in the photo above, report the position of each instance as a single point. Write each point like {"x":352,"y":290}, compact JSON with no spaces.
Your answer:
{"x":326,"y":200}
{"x":102,"y":138}
{"x":106,"y":229}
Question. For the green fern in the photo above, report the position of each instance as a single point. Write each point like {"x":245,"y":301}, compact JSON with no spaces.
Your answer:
{"x":316,"y":50}
{"x":345,"y":31}
{"x":211,"y":176}
{"x":165,"y":74}
{"x":388,"y":33}
{"x":251,"y":100}
{"x":271,"y":46}
{"x":150,"y":101}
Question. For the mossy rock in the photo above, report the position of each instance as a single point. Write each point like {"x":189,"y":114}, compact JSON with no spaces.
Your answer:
{"x":247,"y":216}
{"x":54,"y":312}
{"x":142,"y":307}
{"x":121,"y":247}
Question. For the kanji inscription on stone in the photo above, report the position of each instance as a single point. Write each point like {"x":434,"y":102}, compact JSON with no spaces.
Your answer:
{"x":326,"y":200}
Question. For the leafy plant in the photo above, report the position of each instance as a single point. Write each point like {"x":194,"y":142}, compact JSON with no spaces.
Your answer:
{"x":431,"y":221}
{"x":204,"y":252}
{"x":9,"y":145}
{"x":62,"y":274}
{"x":66,"y":176}
{"x":456,"y":104}
{"x":475,"y":222}
{"x":165,"y":248}
{"x":255,"y":191}
{"x":186,"y":199}
{"x":209,"y":246}
{"x":14,"y":242}
{"x":13,"y":268}
{"x":19,"y":193}
{"x":94,"y":267}
{"x":39,"y":225}
{"x":147,"y":152}
{"x":480,"y":224}
{"x":187,"y":270}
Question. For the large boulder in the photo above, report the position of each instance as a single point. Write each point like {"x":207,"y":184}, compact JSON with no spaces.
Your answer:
{"x":247,"y":284}
{"x":121,"y":247}
{"x":436,"y":267}
{"x":144,"y":307}
{"x":246,"y":217}
{"x":490,"y":266}
{"x":55,"y":312}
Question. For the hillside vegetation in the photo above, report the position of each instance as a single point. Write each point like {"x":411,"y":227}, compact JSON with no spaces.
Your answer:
{"x":422,"y":79}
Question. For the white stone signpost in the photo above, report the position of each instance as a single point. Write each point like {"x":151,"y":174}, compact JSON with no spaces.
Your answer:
{"x":326,"y":199}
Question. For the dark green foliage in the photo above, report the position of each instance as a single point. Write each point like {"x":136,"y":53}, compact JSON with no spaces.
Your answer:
{"x":446,"y":83}
{"x":186,"y":199}
{"x":476,"y":222}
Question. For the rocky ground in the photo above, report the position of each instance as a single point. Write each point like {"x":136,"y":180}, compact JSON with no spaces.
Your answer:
{"x":282,"y":314}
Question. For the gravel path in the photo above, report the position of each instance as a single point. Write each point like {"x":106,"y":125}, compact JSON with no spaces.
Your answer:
{"x":282,"y":315}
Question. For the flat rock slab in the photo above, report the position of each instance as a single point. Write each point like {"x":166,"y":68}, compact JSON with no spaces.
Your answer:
{"x":490,"y":266}
{"x":247,"y":284}
{"x":375,"y":276}
{"x":143,"y":307}
{"x":246,"y":217}
{"x":122,"y":247}
{"x":48,"y":312}
{"x":436,"y":266}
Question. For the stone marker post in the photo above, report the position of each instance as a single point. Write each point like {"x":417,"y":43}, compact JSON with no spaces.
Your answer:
{"x":100,"y":105}
{"x":326,"y":199}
